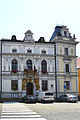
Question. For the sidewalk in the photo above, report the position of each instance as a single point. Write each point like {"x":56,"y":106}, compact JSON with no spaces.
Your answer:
{"x":0,"y":108}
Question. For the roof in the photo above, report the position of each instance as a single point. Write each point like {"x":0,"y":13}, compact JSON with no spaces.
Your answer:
{"x":57,"y":32}
{"x":40,"y":42}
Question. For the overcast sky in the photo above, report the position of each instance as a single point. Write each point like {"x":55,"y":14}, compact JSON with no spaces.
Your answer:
{"x":39,"y":16}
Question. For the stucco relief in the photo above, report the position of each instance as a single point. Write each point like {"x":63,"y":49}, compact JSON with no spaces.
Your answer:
{"x":30,"y":76}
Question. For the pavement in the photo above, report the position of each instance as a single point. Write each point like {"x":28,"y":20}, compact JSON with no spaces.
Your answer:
{"x":0,"y":108}
{"x":57,"y":111}
{"x":40,"y":111}
{"x":15,"y":110}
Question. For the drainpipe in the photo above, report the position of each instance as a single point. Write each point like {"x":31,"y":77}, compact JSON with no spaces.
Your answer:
{"x":55,"y":71}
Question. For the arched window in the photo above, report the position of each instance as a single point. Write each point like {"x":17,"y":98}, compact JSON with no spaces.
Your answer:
{"x":14,"y":65}
{"x":44,"y":66}
{"x":67,"y":67}
{"x":29,"y":64}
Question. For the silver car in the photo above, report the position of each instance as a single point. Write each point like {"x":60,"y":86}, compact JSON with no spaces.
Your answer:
{"x":68,"y":98}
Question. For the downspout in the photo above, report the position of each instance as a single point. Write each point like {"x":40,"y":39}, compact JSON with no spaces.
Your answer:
{"x":55,"y":71}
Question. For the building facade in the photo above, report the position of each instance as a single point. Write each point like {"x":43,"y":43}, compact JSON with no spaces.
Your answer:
{"x":65,"y":60}
{"x":30,"y":66}
{"x":27,"y":66}
{"x":0,"y":69}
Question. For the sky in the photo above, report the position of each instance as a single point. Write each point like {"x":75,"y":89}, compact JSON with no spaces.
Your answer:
{"x":39,"y":16}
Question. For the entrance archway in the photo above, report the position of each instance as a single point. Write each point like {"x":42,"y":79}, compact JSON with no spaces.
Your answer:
{"x":29,"y":88}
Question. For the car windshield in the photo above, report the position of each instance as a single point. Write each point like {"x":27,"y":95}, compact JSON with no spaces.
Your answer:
{"x":49,"y":94}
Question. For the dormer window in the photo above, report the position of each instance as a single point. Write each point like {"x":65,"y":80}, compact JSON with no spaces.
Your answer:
{"x":65,"y":34}
{"x":14,"y":50}
{"x":29,"y":51}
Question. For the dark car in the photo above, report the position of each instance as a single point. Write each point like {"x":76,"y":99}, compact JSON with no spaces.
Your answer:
{"x":29,"y":99}
{"x":68,"y":98}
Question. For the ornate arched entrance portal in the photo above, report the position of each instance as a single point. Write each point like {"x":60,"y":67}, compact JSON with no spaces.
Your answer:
{"x":29,"y":88}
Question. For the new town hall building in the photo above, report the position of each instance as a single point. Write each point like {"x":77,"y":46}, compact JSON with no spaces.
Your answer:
{"x":28,"y":66}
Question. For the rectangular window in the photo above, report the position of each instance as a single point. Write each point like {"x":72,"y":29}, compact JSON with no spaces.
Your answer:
{"x":66,"y":51}
{"x":67,"y":85}
{"x":43,"y":52}
{"x":29,"y":51}
{"x":14,"y":85}
{"x":14,"y":50}
{"x":44,"y":85}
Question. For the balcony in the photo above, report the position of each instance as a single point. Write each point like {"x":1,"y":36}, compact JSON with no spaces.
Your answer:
{"x":66,"y":57}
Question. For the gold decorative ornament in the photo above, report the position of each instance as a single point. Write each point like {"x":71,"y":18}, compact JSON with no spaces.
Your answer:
{"x":24,"y":81}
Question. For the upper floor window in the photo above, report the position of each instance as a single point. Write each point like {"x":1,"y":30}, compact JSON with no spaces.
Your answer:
{"x":29,"y":64}
{"x":14,"y":50}
{"x":29,"y":51}
{"x":65,"y":33}
{"x":66,"y":51}
{"x":44,"y":66}
{"x":67,"y":67}
{"x":43,"y":52}
{"x":14,"y":65}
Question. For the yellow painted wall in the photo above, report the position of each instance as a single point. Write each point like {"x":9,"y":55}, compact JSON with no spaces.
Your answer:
{"x":61,"y":85}
{"x":73,"y":51}
{"x":73,"y":85}
{"x":62,"y":50}
{"x":72,"y":66}
{"x":61,"y":65}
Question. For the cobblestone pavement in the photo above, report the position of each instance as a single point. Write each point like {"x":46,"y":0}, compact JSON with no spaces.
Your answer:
{"x":57,"y":111}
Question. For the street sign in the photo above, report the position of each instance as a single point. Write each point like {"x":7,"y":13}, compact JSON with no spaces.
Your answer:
{"x":64,"y":86}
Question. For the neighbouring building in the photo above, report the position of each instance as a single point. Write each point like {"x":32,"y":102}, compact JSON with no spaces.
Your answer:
{"x":30,"y":66}
{"x":66,"y":69}
{"x":0,"y":69}
{"x":78,"y":69}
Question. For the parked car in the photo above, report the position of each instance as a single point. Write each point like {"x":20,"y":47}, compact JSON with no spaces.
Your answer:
{"x":29,"y":99}
{"x":46,"y":96}
{"x":68,"y":98}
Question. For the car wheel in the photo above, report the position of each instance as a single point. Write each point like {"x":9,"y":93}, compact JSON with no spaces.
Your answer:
{"x":66,"y":100}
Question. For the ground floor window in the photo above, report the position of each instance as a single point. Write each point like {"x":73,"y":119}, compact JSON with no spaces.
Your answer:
{"x":44,"y":85}
{"x":67,"y":84}
{"x":14,"y":84}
